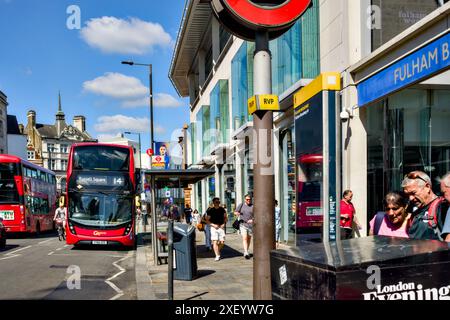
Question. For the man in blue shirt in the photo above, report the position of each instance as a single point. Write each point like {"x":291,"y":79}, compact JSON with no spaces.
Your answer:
{"x":445,"y":188}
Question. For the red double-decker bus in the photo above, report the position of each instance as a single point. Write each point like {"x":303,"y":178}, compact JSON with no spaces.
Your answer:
{"x":101,"y":185}
{"x":309,"y":209}
{"x":27,"y":195}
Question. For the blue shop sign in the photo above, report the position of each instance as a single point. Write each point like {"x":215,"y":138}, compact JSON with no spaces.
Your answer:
{"x":414,"y":68}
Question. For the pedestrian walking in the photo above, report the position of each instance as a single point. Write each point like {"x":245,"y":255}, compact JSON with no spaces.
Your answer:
{"x":195,"y":218}
{"x":277,"y":224}
{"x":348,"y":215}
{"x":188,"y":214}
{"x":216,"y":217}
{"x":244,"y":212}
{"x":429,"y":217}
{"x":207,"y":230}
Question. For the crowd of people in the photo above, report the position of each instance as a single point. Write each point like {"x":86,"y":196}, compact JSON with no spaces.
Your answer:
{"x":415,"y":212}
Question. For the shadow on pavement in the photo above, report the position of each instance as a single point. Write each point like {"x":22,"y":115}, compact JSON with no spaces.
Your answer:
{"x":113,"y":248}
{"x":43,"y":235}
{"x":227,"y":252}
{"x":8,"y":247}
{"x":204,"y":273}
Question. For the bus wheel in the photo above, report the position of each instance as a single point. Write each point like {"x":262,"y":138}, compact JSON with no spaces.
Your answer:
{"x":3,"y":243}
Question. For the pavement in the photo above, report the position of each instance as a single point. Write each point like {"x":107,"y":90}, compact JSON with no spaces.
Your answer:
{"x":230,"y":278}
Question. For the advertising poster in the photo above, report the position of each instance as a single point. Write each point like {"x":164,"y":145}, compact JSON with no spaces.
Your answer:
{"x":162,"y":150}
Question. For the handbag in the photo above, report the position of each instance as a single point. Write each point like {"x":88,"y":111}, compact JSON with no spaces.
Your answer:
{"x":237,"y":224}
{"x":201,"y":226}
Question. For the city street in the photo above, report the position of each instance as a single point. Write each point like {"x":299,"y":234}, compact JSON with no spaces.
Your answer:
{"x":40,"y":268}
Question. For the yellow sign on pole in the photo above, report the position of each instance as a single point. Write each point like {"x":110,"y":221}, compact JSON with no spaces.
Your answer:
{"x":267,"y":102}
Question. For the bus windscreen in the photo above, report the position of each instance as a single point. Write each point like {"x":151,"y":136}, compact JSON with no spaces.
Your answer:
{"x":8,"y":187}
{"x":101,"y":158}
{"x":100,"y":209}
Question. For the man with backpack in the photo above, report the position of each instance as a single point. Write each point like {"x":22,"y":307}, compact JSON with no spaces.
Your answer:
{"x":428,"y":218}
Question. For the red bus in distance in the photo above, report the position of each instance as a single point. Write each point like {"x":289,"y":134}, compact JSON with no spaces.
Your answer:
{"x":101,"y":186}
{"x":309,"y":208}
{"x":27,"y":196}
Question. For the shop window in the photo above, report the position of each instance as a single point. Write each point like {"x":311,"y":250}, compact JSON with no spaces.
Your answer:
{"x":407,"y":131}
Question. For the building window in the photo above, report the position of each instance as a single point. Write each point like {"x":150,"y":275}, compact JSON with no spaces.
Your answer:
{"x":395,"y":16}
{"x":64,"y":148}
{"x":64,"y":165}
{"x":2,"y":134}
{"x":31,"y":155}
{"x":408,"y":131}
{"x":219,"y":115}
{"x":242,"y":83}
{"x":51,"y":147}
{"x":52,"y":164}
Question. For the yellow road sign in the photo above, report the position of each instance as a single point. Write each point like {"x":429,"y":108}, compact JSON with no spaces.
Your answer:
{"x":267,"y":102}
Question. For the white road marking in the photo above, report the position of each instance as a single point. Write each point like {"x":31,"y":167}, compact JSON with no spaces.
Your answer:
{"x":42,"y":242}
{"x":12,"y":254}
{"x":122,"y":270}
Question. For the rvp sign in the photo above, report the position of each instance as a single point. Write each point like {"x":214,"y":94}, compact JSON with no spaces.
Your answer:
{"x":244,"y":17}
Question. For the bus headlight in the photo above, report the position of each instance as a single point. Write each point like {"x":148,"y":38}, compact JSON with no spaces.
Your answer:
{"x":128,"y":229}
{"x":72,"y":228}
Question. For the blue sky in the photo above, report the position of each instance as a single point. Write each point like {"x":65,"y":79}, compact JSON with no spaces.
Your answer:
{"x":40,"y":55}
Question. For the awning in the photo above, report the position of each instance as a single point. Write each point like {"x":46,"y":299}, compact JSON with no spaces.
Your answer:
{"x":177,"y":178}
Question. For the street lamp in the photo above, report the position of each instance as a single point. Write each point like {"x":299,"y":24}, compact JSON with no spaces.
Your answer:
{"x":153,"y":209}
{"x":131,"y":63}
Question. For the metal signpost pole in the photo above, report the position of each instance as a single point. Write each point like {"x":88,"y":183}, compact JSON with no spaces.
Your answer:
{"x":264,"y":224}
{"x":170,"y":257}
{"x":154,"y":222}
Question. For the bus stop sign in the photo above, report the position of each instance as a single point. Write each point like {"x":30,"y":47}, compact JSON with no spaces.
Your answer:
{"x":244,"y":17}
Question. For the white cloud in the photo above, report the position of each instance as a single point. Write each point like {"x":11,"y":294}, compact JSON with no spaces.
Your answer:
{"x":107,"y":136}
{"x":112,"y":126}
{"x":165,"y":100}
{"x":119,"y":123}
{"x":161,"y":100}
{"x":133,"y":36}
{"x":116,"y":85}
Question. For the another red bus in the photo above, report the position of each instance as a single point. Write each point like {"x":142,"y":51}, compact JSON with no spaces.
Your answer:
{"x":101,"y":186}
{"x":27,"y":195}
{"x":309,"y":209}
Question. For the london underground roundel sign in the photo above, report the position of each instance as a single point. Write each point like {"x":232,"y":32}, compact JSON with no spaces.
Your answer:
{"x":244,"y":17}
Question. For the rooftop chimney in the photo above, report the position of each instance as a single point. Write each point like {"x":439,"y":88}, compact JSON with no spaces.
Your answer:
{"x":79,"y":122}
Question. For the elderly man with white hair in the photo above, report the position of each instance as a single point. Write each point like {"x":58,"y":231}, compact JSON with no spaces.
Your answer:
{"x":428,"y":219}
{"x":445,"y":189}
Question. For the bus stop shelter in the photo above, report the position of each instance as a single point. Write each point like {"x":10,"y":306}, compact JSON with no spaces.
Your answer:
{"x":166,"y":188}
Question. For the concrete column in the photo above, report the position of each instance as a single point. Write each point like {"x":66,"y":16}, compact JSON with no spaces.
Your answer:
{"x":191,"y":82}
{"x":354,"y":156}
{"x":239,"y":174}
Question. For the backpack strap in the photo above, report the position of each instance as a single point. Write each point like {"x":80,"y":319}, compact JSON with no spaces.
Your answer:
{"x":432,"y":212}
{"x":378,"y":221}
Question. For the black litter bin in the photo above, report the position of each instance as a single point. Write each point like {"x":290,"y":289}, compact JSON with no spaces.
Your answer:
{"x":185,"y":266}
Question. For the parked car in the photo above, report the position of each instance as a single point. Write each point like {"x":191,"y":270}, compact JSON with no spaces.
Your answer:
{"x":2,"y":235}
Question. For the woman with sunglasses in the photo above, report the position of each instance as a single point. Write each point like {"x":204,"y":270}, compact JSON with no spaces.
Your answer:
{"x":394,"y":221}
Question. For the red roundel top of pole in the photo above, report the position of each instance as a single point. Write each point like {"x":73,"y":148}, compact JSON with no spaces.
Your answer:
{"x":244,"y":18}
{"x":259,"y":14}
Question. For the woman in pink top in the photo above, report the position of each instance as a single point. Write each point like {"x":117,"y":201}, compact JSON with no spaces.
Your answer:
{"x":395,"y":222}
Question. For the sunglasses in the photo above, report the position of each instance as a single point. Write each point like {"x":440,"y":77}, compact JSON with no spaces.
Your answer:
{"x":414,"y":175}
